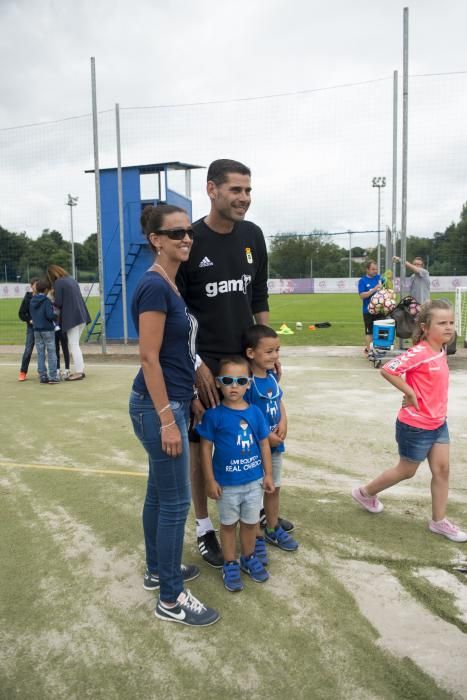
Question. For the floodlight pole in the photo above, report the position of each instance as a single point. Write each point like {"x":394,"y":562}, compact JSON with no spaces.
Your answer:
{"x":405,"y":128}
{"x":379,"y":182}
{"x":100,"y":255}
{"x":72,"y":202}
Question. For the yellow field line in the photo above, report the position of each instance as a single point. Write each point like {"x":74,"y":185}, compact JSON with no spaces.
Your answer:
{"x":18,"y":465}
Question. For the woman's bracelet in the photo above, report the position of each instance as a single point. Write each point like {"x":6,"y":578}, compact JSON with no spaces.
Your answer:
{"x":163,"y":409}
{"x":167,"y":425}
{"x":195,"y":393}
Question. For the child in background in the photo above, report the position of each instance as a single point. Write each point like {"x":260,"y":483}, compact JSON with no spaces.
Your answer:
{"x":43,"y":319}
{"x":60,"y":340}
{"x":261,"y":347}
{"x":421,"y":427}
{"x":25,"y":316}
{"x":238,"y":471}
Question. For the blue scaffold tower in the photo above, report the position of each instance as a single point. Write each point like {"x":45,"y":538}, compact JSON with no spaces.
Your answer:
{"x":138,"y":256}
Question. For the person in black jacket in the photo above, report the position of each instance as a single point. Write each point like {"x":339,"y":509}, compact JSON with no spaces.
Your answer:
{"x":225,"y":285}
{"x":44,"y":322}
{"x":73,"y":314}
{"x":25,"y":316}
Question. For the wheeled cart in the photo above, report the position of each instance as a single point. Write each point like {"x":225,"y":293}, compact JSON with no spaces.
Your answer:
{"x":382,"y":347}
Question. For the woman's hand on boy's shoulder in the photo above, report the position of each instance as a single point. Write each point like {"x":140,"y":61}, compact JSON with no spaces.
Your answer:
{"x":206,"y":385}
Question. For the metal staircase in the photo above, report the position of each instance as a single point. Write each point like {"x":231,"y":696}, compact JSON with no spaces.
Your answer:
{"x":94,"y":332}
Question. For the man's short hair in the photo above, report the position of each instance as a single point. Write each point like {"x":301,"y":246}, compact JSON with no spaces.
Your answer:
{"x":219,"y":170}
{"x":417,"y":257}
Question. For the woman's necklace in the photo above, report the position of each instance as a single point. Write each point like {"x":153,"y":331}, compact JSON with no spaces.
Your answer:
{"x":167,"y":278}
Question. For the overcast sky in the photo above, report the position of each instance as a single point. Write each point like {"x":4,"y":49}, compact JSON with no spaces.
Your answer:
{"x":313,"y":154}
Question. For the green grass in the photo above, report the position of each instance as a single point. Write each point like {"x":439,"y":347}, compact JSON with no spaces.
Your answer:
{"x":75,"y":621}
{"x":343,"y":311}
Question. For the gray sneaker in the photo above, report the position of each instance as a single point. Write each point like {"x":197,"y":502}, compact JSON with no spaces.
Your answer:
{"x":151,"y":581}
{"x":188,"y":611}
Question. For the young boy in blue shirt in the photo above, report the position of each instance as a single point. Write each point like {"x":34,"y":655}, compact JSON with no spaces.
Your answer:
{"x":44,"y":322}
{"x":261,"y":346}
{"x":238,"y":471}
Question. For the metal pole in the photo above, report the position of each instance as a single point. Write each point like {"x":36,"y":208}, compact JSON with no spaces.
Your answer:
{"x":98,"y":204}
{"x":73,"y":265}
{"x":72,"y":202}
{"x":311,"y":268}
{"x":394,"y":169}
{"x":350,"y":254}
{"x":389,"y":253}
{"x":188,"y":183}
{"x":405,"y":123}
{"x":379,"y":231}
{"x":121,"y":224}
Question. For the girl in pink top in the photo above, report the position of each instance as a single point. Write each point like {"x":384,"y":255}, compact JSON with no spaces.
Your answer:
{"x":422,"y":375}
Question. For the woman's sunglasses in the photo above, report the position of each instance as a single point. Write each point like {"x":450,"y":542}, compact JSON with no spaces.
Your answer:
{"x":176,"y":234}
{"x":228,"y":381}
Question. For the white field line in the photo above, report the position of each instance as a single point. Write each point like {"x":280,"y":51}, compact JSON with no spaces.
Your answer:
{"x":79,"y":470}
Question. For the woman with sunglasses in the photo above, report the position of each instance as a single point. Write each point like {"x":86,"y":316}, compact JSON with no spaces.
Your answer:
{"x":159,"y":409}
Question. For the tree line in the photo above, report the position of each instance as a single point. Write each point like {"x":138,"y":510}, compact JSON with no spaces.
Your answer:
{"x":22,"y":257}
{"x":291,"y":254}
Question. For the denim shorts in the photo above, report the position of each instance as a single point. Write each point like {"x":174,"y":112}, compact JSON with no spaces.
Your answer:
{"x":415,"y":443}
{"x":276,"y":467}
{"x":242,"y":502}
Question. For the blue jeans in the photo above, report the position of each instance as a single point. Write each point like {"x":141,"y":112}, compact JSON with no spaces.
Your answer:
{"x":168,"y":493}
{"x":28,"y":348}
{"x":45,"y":341}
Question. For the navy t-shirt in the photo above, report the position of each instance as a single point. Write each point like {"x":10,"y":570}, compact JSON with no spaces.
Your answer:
{"x":266,"y":393}
{"x":177,"y":351}
{"x":366,"y":283}
{"x":236,"y":435}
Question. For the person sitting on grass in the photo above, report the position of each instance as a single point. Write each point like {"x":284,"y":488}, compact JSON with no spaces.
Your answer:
{"x":43,"y":321}
{"x":239,"y":470}
{"x":261,"y":347}
{"x":422,"y":375}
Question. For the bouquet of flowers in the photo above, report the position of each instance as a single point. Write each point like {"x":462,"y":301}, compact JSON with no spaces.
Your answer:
{"x":384,"y":300}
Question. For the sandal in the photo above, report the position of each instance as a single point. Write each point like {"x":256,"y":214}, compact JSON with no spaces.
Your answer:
{"x":76,"y":376}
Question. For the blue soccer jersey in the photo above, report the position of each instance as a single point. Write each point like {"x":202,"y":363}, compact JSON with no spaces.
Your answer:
{"x":236,"y":435}
{"x":266,"y":393}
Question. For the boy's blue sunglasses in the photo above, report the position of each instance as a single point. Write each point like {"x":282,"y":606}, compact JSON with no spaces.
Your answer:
{"x":226,"y":380}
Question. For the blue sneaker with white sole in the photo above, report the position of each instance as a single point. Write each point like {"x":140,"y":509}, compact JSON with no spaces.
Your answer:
{"x":279,"y":538}
{"x":261,"y":551}
{"x":231,"y":576}
{"x":253,"y":567}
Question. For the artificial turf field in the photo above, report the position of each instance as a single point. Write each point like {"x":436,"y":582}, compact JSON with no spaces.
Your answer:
{"x":343,"y":311}
{"x":369,"y":607}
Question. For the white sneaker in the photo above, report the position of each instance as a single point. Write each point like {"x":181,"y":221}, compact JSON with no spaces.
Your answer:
{"x":65,"y":373}
{"x":447,"y":529}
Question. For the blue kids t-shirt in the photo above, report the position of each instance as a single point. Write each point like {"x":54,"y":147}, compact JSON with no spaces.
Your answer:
{"x":236,"y":436}
{"x":177,"y":351}
{"x":366,"y":283}
{"x":266,"y":393}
